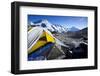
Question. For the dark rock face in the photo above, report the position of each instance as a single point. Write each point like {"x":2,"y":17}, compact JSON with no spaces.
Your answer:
{"x":81,"y":51}
{"x":43,"y":25}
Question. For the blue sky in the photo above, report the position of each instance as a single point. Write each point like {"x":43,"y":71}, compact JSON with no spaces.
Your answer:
{"x":68,"y":21}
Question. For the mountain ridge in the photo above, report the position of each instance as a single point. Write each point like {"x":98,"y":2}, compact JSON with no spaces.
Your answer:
{"x":51,"y":27}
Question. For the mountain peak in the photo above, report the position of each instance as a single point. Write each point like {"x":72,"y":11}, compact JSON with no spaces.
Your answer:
{"x":73,"y":29}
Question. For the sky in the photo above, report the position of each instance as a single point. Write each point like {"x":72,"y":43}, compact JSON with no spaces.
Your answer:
{"x":79,"y":22}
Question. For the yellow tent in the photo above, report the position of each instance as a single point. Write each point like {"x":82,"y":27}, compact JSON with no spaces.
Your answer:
{"x":43,"y":40}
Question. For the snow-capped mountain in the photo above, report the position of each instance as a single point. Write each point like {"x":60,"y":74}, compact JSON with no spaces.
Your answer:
{"x":51,"y":27}
{"x":73,"y":29}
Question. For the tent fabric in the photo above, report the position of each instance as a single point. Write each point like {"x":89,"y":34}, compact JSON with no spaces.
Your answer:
{"x":49,"y":38}
{"x":33,"y":36}
{"x":37,"y":45}
{"x":41,"y":42}
{"x":41,"y":52}
{"x":39,"y":37}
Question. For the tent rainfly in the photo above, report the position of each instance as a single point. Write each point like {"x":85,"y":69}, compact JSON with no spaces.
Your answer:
{"x":42,"y":44}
